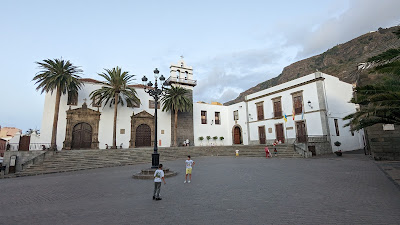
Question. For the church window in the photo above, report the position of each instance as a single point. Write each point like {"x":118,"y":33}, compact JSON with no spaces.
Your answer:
{"x":132,"y":104}
{"x":178,"y":74}
{"x":186,"y":75}
{"x":95,"y":102}
{"x":236,"y":115}
{"x":72,"y":98}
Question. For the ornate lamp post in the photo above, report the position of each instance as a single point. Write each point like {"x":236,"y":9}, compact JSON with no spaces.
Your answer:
{"x":156,"y":94}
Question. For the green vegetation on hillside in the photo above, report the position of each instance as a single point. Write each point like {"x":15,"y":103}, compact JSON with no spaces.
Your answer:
{"x":389,"y":68}
{"x":387,"y":55}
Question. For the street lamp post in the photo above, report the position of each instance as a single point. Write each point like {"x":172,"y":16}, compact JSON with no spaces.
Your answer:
{"x":156,"y":94}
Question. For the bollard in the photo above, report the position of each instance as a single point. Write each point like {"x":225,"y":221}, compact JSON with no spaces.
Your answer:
{"x":237,"y":153}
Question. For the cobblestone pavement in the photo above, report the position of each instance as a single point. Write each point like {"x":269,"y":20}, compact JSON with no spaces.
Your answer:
{"x":331,"y":190}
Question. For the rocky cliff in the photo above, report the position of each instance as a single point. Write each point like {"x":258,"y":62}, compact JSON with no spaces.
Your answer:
{"x":341,"y":61}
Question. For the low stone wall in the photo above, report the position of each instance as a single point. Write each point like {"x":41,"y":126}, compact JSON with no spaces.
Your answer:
{"x":22,"y":157}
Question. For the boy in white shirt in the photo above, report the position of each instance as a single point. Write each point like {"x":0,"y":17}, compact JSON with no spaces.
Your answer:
{"x":189,"y":163}
{"x":158,"y":176}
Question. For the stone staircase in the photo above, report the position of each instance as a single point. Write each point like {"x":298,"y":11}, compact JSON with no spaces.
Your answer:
{"x":65,"y":161}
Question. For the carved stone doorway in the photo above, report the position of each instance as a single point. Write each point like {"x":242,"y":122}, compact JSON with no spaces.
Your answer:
{"x":142,"y":130}
{"x":82,"y":128}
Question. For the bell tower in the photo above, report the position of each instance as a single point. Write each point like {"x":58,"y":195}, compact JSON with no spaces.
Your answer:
{"x":181,"y":75}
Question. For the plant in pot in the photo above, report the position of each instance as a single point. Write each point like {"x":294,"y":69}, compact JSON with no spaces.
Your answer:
{"x":222,"y":140}
{"x":337,"y":144}
{"x":201,"y":138}
{"x":208,"y":139}
{"x":215,"y":139}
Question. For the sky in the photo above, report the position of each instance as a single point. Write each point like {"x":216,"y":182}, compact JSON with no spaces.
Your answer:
{"x":231,"y":45}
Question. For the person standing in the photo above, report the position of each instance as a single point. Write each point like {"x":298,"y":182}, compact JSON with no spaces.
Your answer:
{"x":158,"y":177}
{"x":189,"y":163}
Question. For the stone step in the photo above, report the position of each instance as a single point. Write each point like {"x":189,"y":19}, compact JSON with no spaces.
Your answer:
{"x":75,"y":160}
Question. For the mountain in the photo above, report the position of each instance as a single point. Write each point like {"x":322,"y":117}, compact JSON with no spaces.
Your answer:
{"x":340,"y":61}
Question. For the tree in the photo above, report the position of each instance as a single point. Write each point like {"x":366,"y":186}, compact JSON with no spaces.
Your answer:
{"x":60,"y":76}
{"x":379,"y":103}
{"x":176,"y":100}
{"x":115,"y":91}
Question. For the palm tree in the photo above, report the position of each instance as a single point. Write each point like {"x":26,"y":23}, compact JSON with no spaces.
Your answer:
{"x":175,"y":100}
{"x":60,"y":76}
{"x":115,"y":91}
{"x":379,"y":103}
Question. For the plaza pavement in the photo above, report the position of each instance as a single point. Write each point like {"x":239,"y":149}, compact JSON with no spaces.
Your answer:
{"x":225,"y":190}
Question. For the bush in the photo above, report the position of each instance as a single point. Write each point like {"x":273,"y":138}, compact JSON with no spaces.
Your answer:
{"x":208,"y":137}
{"x":201,"y":138}
{"x":221,"y":138}
{"x":215,"y":137}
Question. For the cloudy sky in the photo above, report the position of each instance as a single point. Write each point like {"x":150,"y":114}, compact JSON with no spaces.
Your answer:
{"x":232,"y":45}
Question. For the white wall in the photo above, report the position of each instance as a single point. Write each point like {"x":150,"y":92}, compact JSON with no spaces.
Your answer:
{"x":210,"y":129}
{"x":338,"y":95}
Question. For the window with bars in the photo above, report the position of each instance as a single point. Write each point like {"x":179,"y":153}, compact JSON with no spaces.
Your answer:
{"x":277,"y":107}
{"x":203,"y":117}
{"x":298,"y":103}
{"x":152,"y":104}
{"x":337,"y":127}
{"x":217,"y":118}
{"x":236,"y":115}
{"x":260,"y":110}
{"x":72,"y":98}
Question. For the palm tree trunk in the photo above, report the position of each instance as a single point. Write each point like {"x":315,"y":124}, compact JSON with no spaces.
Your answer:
{"x":115,"y":120}
{"x":55,"y":120}
{"x":175,"y":127}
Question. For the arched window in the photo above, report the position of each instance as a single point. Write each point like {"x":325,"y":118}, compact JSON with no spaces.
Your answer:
{"x":178,"y":74}
{"x":186,"y":75}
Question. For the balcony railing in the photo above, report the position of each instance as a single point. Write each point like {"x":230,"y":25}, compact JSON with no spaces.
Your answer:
{"x":311,"y":139}
{"x":181,"y":81}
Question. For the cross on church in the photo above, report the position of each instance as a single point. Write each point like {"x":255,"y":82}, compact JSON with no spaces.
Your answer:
{"x":84,"y":100}
{"x":181,"y":56}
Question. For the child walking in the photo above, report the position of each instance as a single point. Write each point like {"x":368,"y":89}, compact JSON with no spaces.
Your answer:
{"x":158,"y":176}
{"x":189,"y":163}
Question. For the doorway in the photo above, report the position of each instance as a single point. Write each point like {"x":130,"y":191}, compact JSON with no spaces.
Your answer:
{"x":301,"y":133}
{"x":143,"y":136}
{"x":237,"y":136}
{"x":279,"y":132}
{"x":82,"y":136}
{"x":261,"y":135}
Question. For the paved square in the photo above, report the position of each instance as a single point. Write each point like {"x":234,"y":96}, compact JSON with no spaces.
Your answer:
{"x":224,"y":190}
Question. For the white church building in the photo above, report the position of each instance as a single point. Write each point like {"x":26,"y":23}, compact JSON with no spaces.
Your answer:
{"x":313,"y":105}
